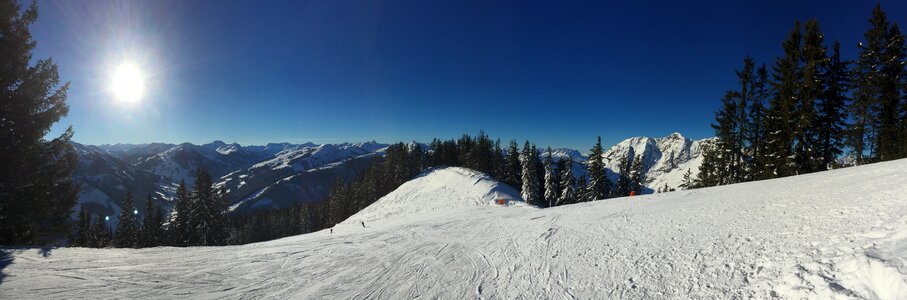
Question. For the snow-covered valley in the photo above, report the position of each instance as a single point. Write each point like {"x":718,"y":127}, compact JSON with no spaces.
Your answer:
{"x":836,"y":234}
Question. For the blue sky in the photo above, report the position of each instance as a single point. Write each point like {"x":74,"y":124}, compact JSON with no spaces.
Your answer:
{"x":555,"y":72}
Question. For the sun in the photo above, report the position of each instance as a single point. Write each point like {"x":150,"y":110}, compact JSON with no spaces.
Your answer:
{"x":128,"y":83}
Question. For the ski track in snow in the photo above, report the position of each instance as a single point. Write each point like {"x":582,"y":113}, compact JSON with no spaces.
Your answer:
{"x":833,"y":235}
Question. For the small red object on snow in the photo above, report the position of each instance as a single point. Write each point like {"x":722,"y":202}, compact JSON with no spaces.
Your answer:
{"x":502,"y":201}
{"x":632,"y":193}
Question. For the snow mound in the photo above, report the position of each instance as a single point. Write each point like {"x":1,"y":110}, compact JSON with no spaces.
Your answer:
{"x":438,"y":190}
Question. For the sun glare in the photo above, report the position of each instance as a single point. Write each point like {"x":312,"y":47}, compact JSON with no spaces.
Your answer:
{"x":128,"y":83}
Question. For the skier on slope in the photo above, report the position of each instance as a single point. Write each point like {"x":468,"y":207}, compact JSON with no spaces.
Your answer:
{"x":363,"y":223}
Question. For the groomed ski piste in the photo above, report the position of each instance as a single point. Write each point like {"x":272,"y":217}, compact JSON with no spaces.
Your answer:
{"x":839,"y":234}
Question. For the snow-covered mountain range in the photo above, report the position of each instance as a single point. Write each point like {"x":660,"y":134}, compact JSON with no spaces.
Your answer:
{"x":282,"y":174}
{"x":273,"y":175}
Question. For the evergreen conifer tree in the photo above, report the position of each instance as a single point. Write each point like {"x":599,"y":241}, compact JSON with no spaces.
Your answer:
{"x":531,"y":186}
{"x":623,"y":181}
{"x":599,"y":186}
{"x":181,"y":230}
{"x":551,"y":188}
{"x":128,"y":225}
{"x":637,"y":175}
{"x":756,"y":132}
{"x":814,"y":60}
{"x":567,"y":184}
{"x":832,"y":109}
{"x":36,"y":189}
{"x":780,"y":122}
{"x":513,"y":177}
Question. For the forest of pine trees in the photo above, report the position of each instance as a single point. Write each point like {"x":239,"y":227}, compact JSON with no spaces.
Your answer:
{"x":200,"y":219}
{"x":813,"y":108}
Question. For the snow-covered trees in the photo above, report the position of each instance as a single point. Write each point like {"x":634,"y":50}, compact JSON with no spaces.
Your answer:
{"x":567,"y":184}
{"x":530,"y":175}
{"x":36,"y":189}
{"x":513,"y":175}
{"x":599,"y":186}
{"x":551,"y":189}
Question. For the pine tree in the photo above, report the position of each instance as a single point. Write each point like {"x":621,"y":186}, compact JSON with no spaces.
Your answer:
{"x":637,"y":175}
{"x":780,"y":121}
{"x":151,"y":225}
{"x":623,"y":181}
{"x":513,"y":177}
{"x":551,"y":188}
{"x":37,"y":194}
{"x":100,"y":233}
{"x":832,"y":109}
{"x":500,"y":166}
{"x":181,"y":230}
{"x":530,"y":190}
{"x":599,"y":186}
{"x":814,"y":59}
{"x":756,"y":131}
{"x":710,"y":173}
{"x":567,"y":184}
{"x":581,"y":186}
{"x":867,"y":89}
{"x":207,"y":213}
{"x":82,"y":235}
{"x":128,"y":225}
{"x":688,"y":180}
{"x":893,"y":90}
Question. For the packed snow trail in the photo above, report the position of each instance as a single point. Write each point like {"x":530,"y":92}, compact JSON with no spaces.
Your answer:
{"x":837,"y":234}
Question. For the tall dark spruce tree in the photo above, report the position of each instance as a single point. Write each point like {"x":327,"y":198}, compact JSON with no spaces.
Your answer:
{"x":530,"y":175}
{"x":755,"y":133}
{"x":893,"y":91}
{"x":513,"y":176}
{"x":207,"y":213}
{"x":729,"y":159}
{"x":152,"y":225}
{"x":551,"y":188}
{"x":624,"y":184}
{"x":180,"y":230}
{"x":599,"y":186}
{"x":567,"y":183}
{"x":128,"y":225}
{"x":814,"y":60}
{"x":638,"y":174}
{"x":832,"y":110}
{"x":780,"y":121}
{"x":37,"y":194}
{"x":877,"y":130}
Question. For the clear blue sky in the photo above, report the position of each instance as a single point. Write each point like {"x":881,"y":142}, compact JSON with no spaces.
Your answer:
{"x":552,"y":72}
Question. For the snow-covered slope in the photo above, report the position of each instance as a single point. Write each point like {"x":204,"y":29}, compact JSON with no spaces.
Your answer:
{"x":833,"y":235}
{"x":666,"y":159}
{"x":439,"y":190}
{"x":105,"y":179}
{"x":297,"y":174}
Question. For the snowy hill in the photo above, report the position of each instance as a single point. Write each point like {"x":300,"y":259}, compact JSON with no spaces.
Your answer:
{"x":833,"y":235}
{"x":439,"y":190}
{"x":666,"y":159}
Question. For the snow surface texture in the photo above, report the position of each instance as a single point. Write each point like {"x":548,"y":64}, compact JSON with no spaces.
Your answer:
{"x":833,"y":235}
{"x":439,"y":191}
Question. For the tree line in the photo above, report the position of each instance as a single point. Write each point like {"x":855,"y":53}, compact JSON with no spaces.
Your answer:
{"x":812,"y":108}
{"x":199,"y":218}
